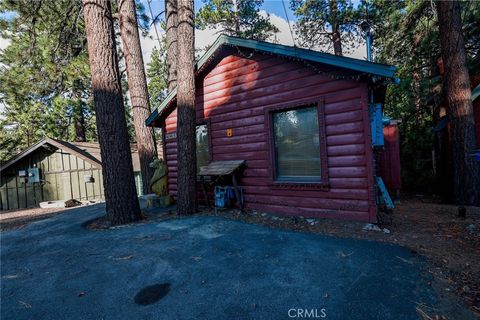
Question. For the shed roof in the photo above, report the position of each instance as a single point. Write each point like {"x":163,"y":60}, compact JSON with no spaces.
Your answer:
{"x":357,"y":65}
{"x":88,"y":151}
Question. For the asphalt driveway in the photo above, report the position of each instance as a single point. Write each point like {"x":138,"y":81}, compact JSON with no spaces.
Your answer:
{"x":202,"y":268}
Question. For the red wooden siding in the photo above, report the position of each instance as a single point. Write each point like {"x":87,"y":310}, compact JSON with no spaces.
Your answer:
{"x":389,"y":160}
{"x":236,"y":93}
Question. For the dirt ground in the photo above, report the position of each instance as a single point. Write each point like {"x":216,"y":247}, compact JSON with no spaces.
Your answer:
{"x":450,"y":244}
{"x":14,"y":219}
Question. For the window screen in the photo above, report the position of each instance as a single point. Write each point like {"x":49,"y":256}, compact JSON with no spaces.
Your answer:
{"x":203,"y":156}
{"x":297,"y":144}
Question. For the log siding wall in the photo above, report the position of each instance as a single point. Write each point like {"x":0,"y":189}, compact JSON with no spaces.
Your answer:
{"x":236,"y":94}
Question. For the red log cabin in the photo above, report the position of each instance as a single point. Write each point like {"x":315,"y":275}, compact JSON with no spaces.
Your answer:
{"x":299,"y":118}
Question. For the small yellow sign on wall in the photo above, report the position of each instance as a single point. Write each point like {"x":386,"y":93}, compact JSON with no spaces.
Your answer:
{"x":229,"y":132}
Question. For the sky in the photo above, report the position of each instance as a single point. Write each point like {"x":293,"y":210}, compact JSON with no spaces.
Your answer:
{"x":203,"y":38}
{"x":278,"y":16}
{"x":278,"y":10}
{"x":4,"y":43}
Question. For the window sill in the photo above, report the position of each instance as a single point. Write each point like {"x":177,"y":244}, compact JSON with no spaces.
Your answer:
{"x":303,"y":186}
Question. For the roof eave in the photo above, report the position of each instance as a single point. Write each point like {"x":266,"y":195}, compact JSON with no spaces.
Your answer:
{"x":371,"y":68}
{"x":382,"y":70}
{"x":22,"y":154}
{"x":55,"y":143}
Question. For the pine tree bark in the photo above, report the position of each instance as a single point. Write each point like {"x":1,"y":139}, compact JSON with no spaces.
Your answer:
{"x":118,"y":180}
{"x":235,"y":16}
{"x":79,"y":123}
{"x":171,"y":27}
{"x":336,"y":36}
{"x":137,"y":87}
{"x":466,"y":171}
{"x":186,"y":140}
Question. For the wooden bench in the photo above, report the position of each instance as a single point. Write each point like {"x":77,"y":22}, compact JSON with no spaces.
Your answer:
{"x":220,"y":169}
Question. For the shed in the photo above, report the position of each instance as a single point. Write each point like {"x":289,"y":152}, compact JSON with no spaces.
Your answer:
{"x":301,"y":120}
{"x":67,"y":170}
{"x":388,"y":164}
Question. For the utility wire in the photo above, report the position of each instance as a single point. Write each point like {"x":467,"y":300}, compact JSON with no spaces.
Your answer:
{"x":154,"y":24}
{"x":288,"y":21}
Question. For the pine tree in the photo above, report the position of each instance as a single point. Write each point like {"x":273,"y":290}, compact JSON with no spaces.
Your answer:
{"x":240,"y":18}
{"x":120,"y":194}
{"x":326,"y":23}
{"x":171,"y":38}
{"x":406,"y":35}
{"x":157,"y":75}
{"x":466,"y":170}
{"x":186,"y":143}
{"x":46,"y":67}
{"x":137,"y":87}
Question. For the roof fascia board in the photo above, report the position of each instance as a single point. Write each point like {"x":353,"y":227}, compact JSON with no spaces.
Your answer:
{"x":59,"y":144}
{"x":320,"y":57}
{"x":22,"y":154}
{"x":54,"y":143}
{"x":377,"y":69}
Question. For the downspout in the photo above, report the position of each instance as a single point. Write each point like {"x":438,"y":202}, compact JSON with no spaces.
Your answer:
{"x":368,"y":38}
{"x":376,"y":124}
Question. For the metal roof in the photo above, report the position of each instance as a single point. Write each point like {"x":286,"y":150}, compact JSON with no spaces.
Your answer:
{"x":362,"y":66}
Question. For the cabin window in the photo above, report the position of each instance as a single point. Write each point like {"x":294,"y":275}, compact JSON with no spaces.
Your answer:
{"x":296,"y":144}
{"x":203,"y":154}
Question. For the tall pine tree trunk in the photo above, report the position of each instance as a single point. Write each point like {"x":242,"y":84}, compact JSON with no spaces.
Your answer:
{"x":186,"y":157}
{"x":118,"y":180}
{"x":466,"y":171}
{"x":171,"y":27}
{"x":235,"y":15}
{"x":336,"y":36}
{"x":137,"y":87}
{"x":79,"y":122}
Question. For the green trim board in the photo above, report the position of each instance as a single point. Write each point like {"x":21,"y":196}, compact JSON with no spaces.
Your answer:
{"x":88,"y":151}
{"x":363,"y":66}
{"x":372,"y":68}
{"x":57,"y":144}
